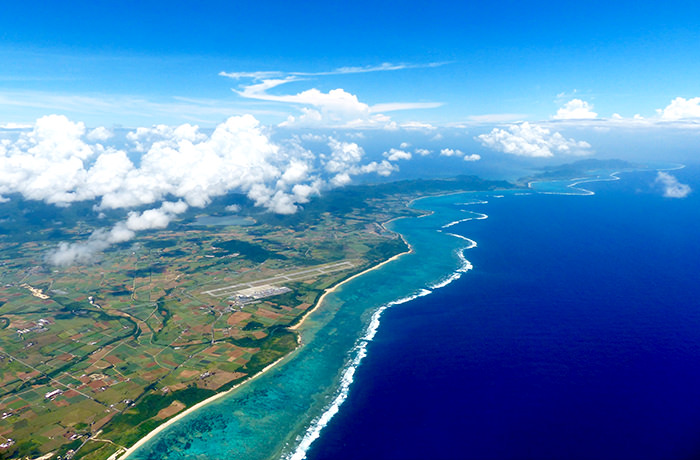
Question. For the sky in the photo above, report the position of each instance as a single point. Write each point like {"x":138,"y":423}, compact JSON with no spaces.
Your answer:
{"x":139,"y":63}
{"x":156,"y":107}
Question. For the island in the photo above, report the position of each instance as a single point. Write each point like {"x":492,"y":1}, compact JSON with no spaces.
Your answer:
{"x":96,"y":356}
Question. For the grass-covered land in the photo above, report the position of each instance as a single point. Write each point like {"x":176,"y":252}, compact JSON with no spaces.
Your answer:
{"x":95,"y":356}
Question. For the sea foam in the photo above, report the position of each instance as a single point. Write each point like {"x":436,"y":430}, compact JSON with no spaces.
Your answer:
{"x":468,"y":203}
{"x":478,"y":216}
{"x":358,"y":352}
{"x":465,"y":267}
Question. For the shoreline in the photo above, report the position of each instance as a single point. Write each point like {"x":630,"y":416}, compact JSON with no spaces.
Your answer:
{"x":124,"y":454}
{"x":337,"y":285}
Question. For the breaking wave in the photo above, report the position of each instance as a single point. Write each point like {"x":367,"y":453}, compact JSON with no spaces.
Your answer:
{"x":478,"y":216}
{"x":465,"y":267}
{"x":358,"y":352}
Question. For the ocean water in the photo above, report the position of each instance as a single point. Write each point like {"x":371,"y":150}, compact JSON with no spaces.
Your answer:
{"x":523,"y":326}
{"x":575,"y":336}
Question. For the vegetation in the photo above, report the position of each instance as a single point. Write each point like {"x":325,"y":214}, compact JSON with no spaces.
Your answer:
{"x":95,"y":356}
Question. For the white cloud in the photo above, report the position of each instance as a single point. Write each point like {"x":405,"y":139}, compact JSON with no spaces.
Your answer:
{"x":575,"y":109}
{"x":99,"y":134}
{"x":334,"y":108}
{"x":344,"y":155}
{"x":472,"y":157}
{"x":345,"y":159}
{"x":55,"y":163}
{"x":423,"y":152}
{"x":101,"y":239}
{"x":383,"y":169}
{"x":417,"y":126}
{"x":681,"y":108}
{"x":447,"y":152}
{"x":337,"y":107}
{"x":59,"y":162}
{"x":396,"y":154}
{"x":384,"y":67}
{"x":341,"y":179}
{"x":404,"y":145}
{"x":671,"y":187}
{"x":532,"y":140}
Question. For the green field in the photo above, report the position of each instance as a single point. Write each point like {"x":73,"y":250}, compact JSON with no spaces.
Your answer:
{"x":95,"y":356}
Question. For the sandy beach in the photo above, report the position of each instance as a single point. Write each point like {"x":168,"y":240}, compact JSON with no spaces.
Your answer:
{"x":336,"y":286}
{"x":123,"y":454}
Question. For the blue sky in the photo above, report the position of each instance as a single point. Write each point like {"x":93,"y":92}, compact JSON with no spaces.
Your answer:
{"x":140,"y":63}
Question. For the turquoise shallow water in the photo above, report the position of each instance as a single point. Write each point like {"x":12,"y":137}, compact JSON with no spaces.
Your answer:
{"x":282,"y":412}
{"x":576,"y":336}
{"x":270,"y":415}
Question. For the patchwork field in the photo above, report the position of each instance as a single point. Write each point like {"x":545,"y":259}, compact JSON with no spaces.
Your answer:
{"x":94,"y":356}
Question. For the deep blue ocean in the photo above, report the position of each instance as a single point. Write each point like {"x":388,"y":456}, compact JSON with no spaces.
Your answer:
{"x":575,"y":336}
{"x":522,"y":326}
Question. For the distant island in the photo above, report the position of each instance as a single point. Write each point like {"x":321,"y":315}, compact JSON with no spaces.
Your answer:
{"x":582,"y":168}
{"x":96,"y":356}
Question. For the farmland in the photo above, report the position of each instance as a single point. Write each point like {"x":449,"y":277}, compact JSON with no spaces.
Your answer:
{"x":94,"y":356}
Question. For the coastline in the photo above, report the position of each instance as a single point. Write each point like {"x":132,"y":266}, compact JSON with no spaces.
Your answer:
{"x":336,"y":286}
{"x":124,"y":454}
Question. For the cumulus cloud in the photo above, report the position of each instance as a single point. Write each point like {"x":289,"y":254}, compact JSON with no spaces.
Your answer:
{"x":99,"y":134}
{"x":344,"y":162}
{"x":59,"y":161}
{"x":397,"y":154}
{"x":671,"y":187}
{"x":383,"y":168}
{"x":681,"y":108}
{"x":447,"y":152}
{"x":337,"y":106}
{"x":575,"y":109}
{"x":423,"y":152}
{"x":532,"y":140}
{"x":54,"y":163}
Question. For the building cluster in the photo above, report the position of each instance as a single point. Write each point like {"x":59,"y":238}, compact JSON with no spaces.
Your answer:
{"x":39,"y":327}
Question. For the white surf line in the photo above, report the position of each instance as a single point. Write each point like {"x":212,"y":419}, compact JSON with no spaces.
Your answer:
{"x":359,"y":351}
{"x":578,"y":180}
{"x":614,"y":176}
{"x":479,"y":216}
{"x":469,"y":203}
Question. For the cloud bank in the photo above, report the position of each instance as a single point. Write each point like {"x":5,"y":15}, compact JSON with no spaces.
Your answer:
{"x":531,"y":140}
{"x":681,"y":108}
{"x":60,"y":162}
